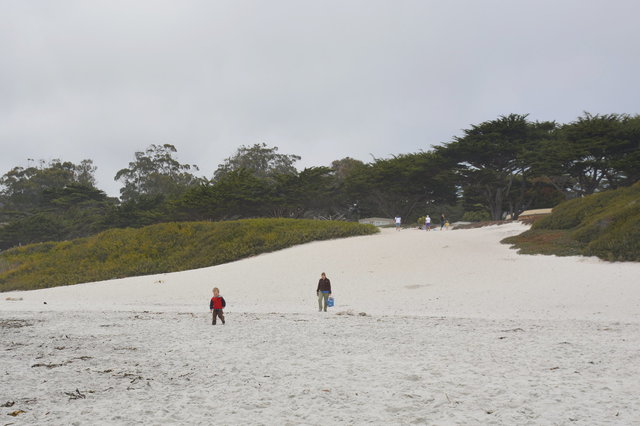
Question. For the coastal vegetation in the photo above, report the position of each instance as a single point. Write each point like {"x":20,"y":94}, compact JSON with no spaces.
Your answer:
{"x":605,"y":224}
{"x":160,"y":248}
{"x":492,"y":170}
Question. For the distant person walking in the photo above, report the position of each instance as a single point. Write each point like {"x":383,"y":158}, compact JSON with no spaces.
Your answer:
{"x":443,"y":221}
{"x":398,"y":222}
{"x":427,"y":223}
{"x":323,"y":291}
{"x":216,"y":306}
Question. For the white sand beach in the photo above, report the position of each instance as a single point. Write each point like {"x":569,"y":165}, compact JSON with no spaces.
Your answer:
{"x":440,"y":327}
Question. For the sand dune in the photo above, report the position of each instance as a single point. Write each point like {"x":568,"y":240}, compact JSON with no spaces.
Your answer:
{"x":450,"y":273}
{"x":456,"y":329}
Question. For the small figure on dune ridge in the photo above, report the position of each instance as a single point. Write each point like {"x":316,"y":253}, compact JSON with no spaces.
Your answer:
{"x":216,"y":306}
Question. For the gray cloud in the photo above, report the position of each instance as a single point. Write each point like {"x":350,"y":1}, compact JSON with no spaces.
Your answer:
{"x":321,"y":79}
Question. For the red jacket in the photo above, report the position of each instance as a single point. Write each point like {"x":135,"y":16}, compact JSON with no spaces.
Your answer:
{"x":217,"y":303}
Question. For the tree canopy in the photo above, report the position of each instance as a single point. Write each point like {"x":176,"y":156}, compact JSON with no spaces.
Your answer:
{"x":260,"y":160}
{"x":24,"y":189}
{"x":156,"y":172}
{"x":51,"y":202}
{"x":494,"y":159}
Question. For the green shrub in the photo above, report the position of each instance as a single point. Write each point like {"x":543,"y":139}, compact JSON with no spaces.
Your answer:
{"x":573,"y":213}
{"x":605,"y":224}
{"x":476,"y":216}
{"x":161,"y":248}
{"x":550,"y":242}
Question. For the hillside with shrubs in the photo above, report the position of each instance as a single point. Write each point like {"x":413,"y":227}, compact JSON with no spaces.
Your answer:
{"x":161,"y":248}
{"x":605,"y":224}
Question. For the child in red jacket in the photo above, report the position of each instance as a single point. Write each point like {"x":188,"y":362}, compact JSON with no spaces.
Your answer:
{"x":216,"y":305}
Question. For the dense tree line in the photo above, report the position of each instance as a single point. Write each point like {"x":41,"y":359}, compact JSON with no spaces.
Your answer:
{"x":498,"y":167}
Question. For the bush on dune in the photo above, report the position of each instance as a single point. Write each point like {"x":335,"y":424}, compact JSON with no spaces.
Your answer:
{"x":605,"y":224}
{"x":166,"y":247}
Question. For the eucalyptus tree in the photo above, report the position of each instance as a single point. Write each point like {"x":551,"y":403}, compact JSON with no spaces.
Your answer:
{"x":50,"y":201}
{"x":343,"y":167}
{"x":260,"y":160}
{"x":156,"y":172}
{"x":23,"y":189}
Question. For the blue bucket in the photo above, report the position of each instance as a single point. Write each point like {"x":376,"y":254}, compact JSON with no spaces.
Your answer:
{"x":330,"y":302}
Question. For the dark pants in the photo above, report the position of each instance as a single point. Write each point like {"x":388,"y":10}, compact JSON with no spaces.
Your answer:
{"x":217,"y":313}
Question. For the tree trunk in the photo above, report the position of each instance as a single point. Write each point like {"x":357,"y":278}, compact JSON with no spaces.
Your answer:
{"x":494,"y":202}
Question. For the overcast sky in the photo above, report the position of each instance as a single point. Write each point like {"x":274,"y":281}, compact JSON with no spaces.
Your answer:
{"x":321,"y":79}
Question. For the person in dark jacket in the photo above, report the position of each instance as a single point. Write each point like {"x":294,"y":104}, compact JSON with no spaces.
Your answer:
{"x":323,"y":291}
{"x":216,"y":306}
